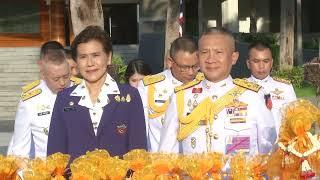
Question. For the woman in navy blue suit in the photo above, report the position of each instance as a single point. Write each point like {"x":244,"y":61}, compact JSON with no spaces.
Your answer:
{"x":97,"y":113}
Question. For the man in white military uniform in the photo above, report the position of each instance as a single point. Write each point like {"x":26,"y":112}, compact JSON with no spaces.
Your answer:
{"x":34,"y":111}
{"x":215,"y":112}
{"x":155,"y":90}
{"x":277,"y":92}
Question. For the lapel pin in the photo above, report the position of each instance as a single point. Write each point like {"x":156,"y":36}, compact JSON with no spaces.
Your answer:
{"x":128,"y":98}
{"x":117,"y":98}
{"x":71,"y":103}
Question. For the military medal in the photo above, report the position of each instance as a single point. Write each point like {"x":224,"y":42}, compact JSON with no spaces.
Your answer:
{"x":123,"y":99}
{"x":195,"y":96}
{"x":117,"y":98}
{"x":189,"y":103}
{"x":193,"y":142}
{"x":162,"y":120}
{"x":128,"y":98}
{"x":46,"y":131}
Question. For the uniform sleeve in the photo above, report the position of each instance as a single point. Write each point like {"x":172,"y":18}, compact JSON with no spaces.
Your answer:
{"x":57,"y":138}
{"x":265,"y":127}
{"x":291,"y":94}
{"x":137,"y":127}
{"x":169,"y":131}
{"x":144,"y":98}
{"x":20,"y":144}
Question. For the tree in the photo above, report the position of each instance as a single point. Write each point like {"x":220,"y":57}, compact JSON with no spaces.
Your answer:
{"x":172,"y":25}
{"x":253,"y":17}
{"x":287,"y":34}
{"x":85,"y":13}
{"x":299,"y":35}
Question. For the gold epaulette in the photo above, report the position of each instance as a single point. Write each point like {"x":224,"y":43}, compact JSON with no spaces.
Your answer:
{"x":285,"y":81}
{"x":151,"y":79}
{"x":30,"y":86}
{"x":246,"y":84}
{"x":197,"y":80}
{"x":28,"y":95}
{"x":75,"y":80}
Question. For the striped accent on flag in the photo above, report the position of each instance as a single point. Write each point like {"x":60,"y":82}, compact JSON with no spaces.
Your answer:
{"x":181,"y":18}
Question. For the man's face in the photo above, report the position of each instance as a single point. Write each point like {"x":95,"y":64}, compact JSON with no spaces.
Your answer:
{"x":56,"y":76}
{"x":184,"y":66}
{"x":260,"y":62}
{"x":216,"y":55}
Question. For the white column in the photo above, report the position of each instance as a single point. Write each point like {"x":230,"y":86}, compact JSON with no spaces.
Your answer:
{"x":230,"y":18}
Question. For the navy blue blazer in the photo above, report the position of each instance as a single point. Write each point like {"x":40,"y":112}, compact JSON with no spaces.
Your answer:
{"x":121,"y":129}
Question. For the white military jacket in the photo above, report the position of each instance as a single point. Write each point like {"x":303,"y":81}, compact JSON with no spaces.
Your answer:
{"x":245,"y":124}
{"x":32,"y":120}
{"x":164,"y":84}
{"x":281,"y":93}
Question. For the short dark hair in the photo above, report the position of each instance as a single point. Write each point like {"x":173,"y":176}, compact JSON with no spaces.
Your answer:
{"x":220,"y":30}
{"x":49,"y":45}
{"x":92,"y":33}
{"x":260,"y":45}
{"x":137,"y":66}
{"x":186,"y":44}
{"x":55,"y":56}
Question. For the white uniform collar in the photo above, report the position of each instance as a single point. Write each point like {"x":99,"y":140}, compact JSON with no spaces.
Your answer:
{"x":45,"y":87}
{"x":258,"y":81}
{"x":223,"y":83}
{"x":109,"y":87}
{"x":172,"y":79}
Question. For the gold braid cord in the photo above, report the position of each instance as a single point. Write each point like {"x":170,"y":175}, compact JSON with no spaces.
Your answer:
{"x":205,"y":111}
{"x":156,"y":110}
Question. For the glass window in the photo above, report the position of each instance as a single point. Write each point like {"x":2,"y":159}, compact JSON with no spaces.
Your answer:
{"x":20,"y":16}
{"x":120,"y":21}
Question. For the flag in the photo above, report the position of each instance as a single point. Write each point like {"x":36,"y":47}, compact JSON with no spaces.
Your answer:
{"x":181,"y":18}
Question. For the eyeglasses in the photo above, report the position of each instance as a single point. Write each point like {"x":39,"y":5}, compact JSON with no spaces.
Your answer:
{"x":185,"y":68}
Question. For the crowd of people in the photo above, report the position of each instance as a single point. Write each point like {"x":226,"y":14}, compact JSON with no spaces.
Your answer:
{"x":194,"y":106}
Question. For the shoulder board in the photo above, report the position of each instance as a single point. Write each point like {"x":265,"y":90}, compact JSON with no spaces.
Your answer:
{"x":28,"y":95}
{"x":151,"y":79}
{"x":285,"y":81}
{"x":197,"y":80}
{"x":246,"y":84}
{"x":30,"y":86}
{"x":75,"y":80}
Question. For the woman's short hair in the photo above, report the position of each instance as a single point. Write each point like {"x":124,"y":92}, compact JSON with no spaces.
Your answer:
{"x":137,"y":66}
{"x":91,"y":33}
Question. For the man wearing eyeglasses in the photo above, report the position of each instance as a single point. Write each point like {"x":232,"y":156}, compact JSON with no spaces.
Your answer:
{"x":216,"y":113}
{"x":155,"y":90}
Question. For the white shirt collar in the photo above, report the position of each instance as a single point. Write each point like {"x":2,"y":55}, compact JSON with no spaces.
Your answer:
{"x":223,"y":83}
{"x":172,"y":79}
{"x":260,"y":80}
{"x":109,"y":87}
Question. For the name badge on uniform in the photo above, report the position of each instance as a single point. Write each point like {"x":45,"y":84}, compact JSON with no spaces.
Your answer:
{"x":159,"y":101}
{"x":121,"y":129}
{"x":43,"y":113}
{"x":66,"y":109}
{"x":235,"y":144}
